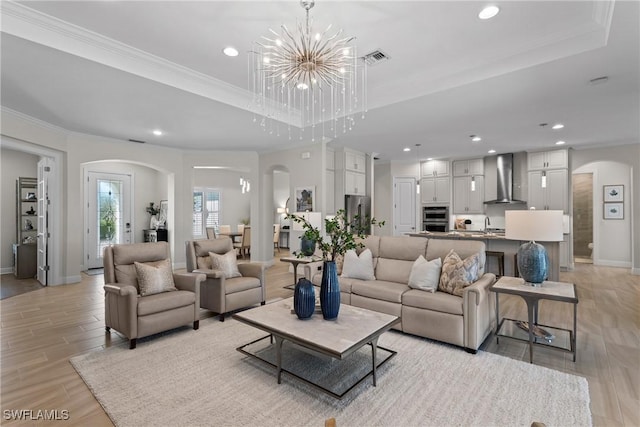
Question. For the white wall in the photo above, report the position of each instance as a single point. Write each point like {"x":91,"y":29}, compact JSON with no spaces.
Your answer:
{"x":280,"y":195}
{"x":627,"y":155}
{"x":383,"y":200}
{"x":13,"y":164}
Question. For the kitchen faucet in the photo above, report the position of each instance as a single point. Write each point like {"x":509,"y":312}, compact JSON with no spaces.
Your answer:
{"x":487,"y":223}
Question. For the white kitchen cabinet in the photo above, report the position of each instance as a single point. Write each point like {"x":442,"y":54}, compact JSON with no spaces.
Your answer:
{"x":355,"y":161}
{"x":465,"y":200}
{"x":355,"y":183}
{"x":468,"y":167}
{"x":555,"y":196}
{"x":435,"y":168}
{"x":435,"y":190}
{"x":555,"y":159}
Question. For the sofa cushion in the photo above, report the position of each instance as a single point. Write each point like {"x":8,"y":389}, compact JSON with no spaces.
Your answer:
{"x":439,"y":248}
{"x":153,"y":279}
{"x":227,"y":263}
{"x":425,"y":275}
{"x":394,"y":270}
{"x":358,"y":266}
{"x":158,"y":303}
{"x":403,"y":247}
{"x":457,"y":273}
{"x":438,"y":301}
{"x":379,"y":289}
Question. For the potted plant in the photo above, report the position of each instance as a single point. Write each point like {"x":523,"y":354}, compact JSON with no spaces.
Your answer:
{"x":340,"y":236}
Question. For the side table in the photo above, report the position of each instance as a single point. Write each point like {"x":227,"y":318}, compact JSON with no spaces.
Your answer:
{"x":295,"y":261}
{"x":556,"y":291}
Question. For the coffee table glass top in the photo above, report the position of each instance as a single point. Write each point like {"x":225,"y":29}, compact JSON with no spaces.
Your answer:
{"x":338,"y":337}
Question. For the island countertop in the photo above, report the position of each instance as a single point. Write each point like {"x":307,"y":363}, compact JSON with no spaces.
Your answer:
{"x":468,"y":235}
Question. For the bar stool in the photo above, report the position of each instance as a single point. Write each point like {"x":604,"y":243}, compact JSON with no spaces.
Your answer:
{"x":500,"y":257}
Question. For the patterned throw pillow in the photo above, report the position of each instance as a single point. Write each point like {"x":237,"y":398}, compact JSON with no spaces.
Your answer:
{"x":425,"y":275}
{"x":458,"y":274}
{"x":227,"y":263}
{"x":358,"y":267}
{"x":154,"y":279}
{"x":339,"y":263}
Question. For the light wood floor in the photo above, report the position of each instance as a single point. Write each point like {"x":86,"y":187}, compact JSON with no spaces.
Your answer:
{"x":42,"y":329}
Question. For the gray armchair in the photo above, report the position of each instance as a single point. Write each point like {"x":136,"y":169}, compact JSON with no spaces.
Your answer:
{"x":138,"y":316}
{"x":217,"y":293}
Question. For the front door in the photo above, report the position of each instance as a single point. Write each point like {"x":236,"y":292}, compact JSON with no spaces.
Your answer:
{"x":404,"y":206}
{"x":108,"y":218}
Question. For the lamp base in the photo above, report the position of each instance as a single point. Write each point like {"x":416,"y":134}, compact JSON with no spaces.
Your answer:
{"x":533,"y":263}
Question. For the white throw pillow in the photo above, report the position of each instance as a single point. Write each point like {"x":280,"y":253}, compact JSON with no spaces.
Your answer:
{"x":358,"y":267}
{"x":425,"y":275}
{"x":227,"y":263}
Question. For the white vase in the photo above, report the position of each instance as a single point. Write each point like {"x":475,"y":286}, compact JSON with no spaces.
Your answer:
{"x":153,"y":222}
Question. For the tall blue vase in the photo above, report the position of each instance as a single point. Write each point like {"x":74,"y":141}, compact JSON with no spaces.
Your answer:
{"x":329,"y":291}
{"x":304,"y":299}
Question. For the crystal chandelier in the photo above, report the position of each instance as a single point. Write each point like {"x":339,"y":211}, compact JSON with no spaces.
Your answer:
{"x":310,"y":80}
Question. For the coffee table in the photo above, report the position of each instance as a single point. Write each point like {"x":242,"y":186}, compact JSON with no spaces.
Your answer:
{"x":353,"y":329}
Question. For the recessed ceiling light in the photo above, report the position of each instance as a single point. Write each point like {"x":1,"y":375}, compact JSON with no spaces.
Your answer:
{"x":560,"y":143}
{"x":488,"y":12}
{"x":157,"y":132}
{"x":491,"y":151}
{"x":557,"y":126}
{"x":230,"y":51}
{"x":429,"y":158}
{"x":406,"y":149}
{"x":475,"y":138}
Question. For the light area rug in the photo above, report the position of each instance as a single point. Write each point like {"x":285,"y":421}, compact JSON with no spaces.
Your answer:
{"x":193,"y":378}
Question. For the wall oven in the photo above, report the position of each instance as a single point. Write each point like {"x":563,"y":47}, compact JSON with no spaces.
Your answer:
{"x":435,"y":218}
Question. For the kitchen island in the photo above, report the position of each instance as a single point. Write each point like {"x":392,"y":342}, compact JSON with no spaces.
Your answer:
{"x":498,"y":243}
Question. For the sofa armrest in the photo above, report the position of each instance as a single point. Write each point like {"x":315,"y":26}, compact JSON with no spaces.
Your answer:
{"x":210,"y":274}
{"x":312,"y":268}
{"x":252,"y":269}
{"x":478,"y":310}
{"x":478,"y":290}
{"x":120,"y":290}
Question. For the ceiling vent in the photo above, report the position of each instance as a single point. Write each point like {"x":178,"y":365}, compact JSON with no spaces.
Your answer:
{"x":376,"y":57}
{"x":137,"y":140}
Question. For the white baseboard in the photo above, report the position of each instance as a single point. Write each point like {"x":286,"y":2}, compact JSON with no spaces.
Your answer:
{"x":6,"y":270}
{"x":612,"y":263}
{"x":635,"y":271}
{"x":68,"y":280}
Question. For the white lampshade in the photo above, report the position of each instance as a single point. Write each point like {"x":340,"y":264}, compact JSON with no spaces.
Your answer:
{"x":534,"y":225}
{"x":280,"y":210}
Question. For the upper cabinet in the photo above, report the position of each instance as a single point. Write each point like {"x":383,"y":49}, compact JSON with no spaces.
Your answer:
{"x":549,"y":190}
{"x":468,"y":194}
{"x":555,"y":159}
{"x":435,"y":190}
{"x":435,"y":168}
{"x":468,"y":167}
{"x":355,"y":161}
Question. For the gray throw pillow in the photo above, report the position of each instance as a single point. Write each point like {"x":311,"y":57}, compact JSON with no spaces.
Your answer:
{"x":154,"y":279}
{"x":227,"y":263}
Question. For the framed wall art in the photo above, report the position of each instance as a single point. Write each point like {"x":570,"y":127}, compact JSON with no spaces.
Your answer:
{"x":164,"y":213}
{"x":614,"y":211}
{"x":613,"y":193}
{"x":305,"y":198}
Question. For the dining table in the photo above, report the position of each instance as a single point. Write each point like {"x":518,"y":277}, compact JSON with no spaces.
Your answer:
{"x":232,"y":234}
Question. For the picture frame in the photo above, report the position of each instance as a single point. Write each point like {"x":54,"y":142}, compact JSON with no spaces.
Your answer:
{"x":305,"y":198}
{"x":613,"y":193}
{"x":613,"y":211}
{"x":164,"y":214}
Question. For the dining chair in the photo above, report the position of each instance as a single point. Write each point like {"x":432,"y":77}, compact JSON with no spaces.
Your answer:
{"x":240,"y":228}
{"x":211,"y":233}
{"x":244,"y":247}
{"x":276,"y":237}
{"x":222,"y":229}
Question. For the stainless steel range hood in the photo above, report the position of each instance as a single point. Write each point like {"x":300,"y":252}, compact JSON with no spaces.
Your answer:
{"x":504,"y":181}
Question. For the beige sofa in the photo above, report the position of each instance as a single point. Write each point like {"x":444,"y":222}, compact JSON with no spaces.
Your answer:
{"x":217,"y":293}
{"x":463,"y":321}
{"x":138,"y":316}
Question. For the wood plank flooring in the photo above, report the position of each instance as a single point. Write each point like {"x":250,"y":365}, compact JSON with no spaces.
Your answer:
{"x":42,"y":329}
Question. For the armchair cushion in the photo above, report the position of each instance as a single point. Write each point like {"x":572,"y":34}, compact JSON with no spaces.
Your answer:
{"x":457,"y":274}
{"x":154,"y":279}
{"x":227,"y":263}
{"x":165,"y":301}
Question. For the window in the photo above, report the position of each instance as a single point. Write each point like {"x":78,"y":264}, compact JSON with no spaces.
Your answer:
{"x":206,"y":210}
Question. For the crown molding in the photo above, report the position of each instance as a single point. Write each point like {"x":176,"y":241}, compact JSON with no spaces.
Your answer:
{"x":32,"y":25}
{"x":33,"y":120}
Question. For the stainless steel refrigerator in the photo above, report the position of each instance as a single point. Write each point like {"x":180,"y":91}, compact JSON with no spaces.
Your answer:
{"x":358,"y":212}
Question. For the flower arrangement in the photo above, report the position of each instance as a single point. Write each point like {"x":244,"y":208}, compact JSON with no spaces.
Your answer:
{"x":340,"y":235}
{"x":152,"y":209}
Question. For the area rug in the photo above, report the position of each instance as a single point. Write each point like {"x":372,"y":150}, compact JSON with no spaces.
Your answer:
{"x":192,"y":378}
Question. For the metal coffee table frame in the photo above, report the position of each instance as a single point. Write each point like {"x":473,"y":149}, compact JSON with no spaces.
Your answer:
{"x":371,"y":339}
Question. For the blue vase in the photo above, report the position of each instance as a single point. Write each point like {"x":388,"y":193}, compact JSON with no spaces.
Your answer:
{"x":533,"y":262}
{"x":304,"y":299}
{"x":329,"y":291}
{"x":307,"y":246}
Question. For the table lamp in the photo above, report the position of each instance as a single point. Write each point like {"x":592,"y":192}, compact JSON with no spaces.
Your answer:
{"x":532,"y":225}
